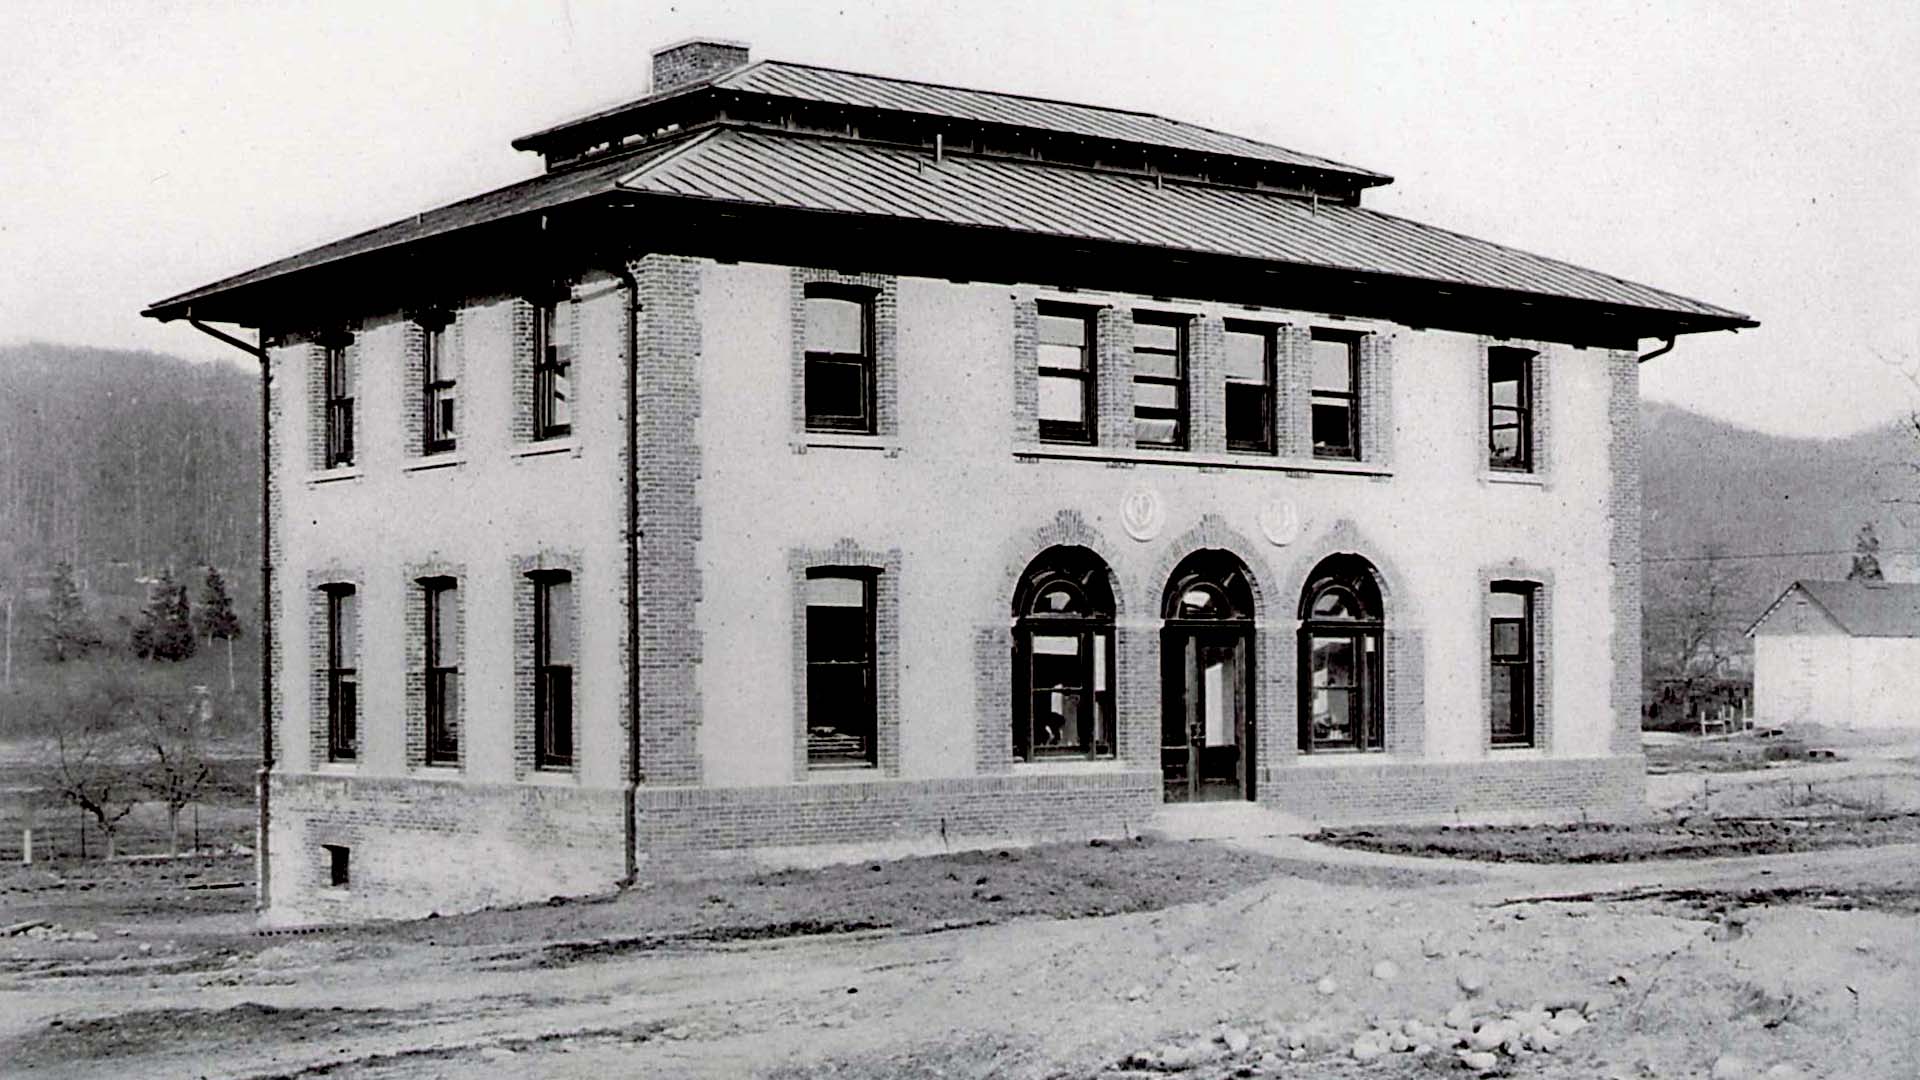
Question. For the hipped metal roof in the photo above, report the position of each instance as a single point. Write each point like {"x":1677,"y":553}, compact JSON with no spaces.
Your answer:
{"x":1861,"y":608}
{"x":805,"y":82}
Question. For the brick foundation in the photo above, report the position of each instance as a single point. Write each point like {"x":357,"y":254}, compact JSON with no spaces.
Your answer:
{"x":1607,"y":788}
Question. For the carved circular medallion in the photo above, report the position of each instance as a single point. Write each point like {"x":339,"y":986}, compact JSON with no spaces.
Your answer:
{"x":1142,"y":513}
{"x":1280,"y":522}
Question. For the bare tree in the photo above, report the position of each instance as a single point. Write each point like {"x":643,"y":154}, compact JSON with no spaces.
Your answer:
{"x":92,"y":758}
{"x":1692,"y":627}
{"x":176,"y":771}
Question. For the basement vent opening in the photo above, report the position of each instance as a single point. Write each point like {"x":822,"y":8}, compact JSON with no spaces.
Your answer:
{"x":337,"y":864}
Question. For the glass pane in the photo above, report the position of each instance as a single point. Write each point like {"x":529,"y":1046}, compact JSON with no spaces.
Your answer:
{"x":1335,"y":604}
{"x":1165,"y":365}
{"x":1333,"y":365}
{"x":557,"y":318}
{"x":347,"y":620}
{"x":1056,"y":645}
{"x":1247,"y":412}
{"x":446,"y":625}
{"x":1508,"y":368}
{"x":1200,"y":603}
{"x":839,"y":713}
{"x":1063,"y":330}
{"x":1055,"y":669}
{"x":559,"y":718}
{"x":559,"y":622}
{"x":1214,"y":691}
{"x":1504,"y":393}
{"x":836,"y":635}
{"x":1071,"y":357}
{"x":836,"y":389}
{"x":1502,"y":702}
{"x":836,"y":325}
{"x":1332,"y":716}
{"x":1246,"y":356}
{"x":442,"y":362}
{"x":1060,"y":598}
{"x":1506,"y":446}
{"x":1062,"y":399}
{"x":1100,"y":663}
{"x":1148,"y":335}
{"x":1502,"y":604}
{"x":1164,"y":432}
{"x":1156,"y":395}
{"x":448,"y":684}
{"x":1332,"y":662}
{"x":1506,"y":638}
{"x":1060,"y":720}
{"x":836,"y":590}
{"x":347,"y":709}
{"x":1332,"y":426}
{"x":559,"y":393}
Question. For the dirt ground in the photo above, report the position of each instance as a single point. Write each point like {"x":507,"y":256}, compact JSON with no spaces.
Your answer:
{"x":1256,"y":955}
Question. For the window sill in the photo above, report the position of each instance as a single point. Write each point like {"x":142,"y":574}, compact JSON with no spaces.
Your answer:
{"x":1335,"y":759}
{"x":1515,"y":478}
{"x":550,"y":776}
{"x":840,"y":774}
{"x":344,"y":768}
{"x":1070,"y":765}
{"x":337,"y":475}
{"x":547,"y":448}
{"x":1531,"y":750}
{"x":1195,"y":459}
{"x":825,"y":440}
{"x":449,"y":460}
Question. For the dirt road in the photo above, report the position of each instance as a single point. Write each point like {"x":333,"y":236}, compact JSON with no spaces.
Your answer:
{"x":1672,"y":986}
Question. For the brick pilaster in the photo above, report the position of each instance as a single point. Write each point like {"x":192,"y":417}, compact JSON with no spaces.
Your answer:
{"x":1623,"y":545}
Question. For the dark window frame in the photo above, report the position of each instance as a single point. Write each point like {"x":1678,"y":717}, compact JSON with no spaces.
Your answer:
{"x":1518,"y":668}
{"x":1182,"y":412}
{"x":1268,"y":440}
{"x":552,"y":370}
{"x":867,"y":421}
{"x":338,"y":393}
{"x":1349,"y":398}
{"x":1086,"y":577}
{"x":442,"y":742}
{"x":1085,"y":433}
{"x":1366,"y":716}
{"x":553,"y":684}
{"x":439,"y":394}
{"x":339,"y":865}
{"x":1517,"y":417}
{"x":343,"y":682}
{"x":868,"y":577}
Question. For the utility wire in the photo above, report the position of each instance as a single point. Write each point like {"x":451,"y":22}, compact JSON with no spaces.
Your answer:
{"x":1748,"y":555}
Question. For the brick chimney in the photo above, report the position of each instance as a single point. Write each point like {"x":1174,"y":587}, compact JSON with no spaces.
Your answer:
{"x":689,"y":61}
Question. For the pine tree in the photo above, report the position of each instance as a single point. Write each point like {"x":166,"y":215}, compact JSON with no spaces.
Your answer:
{"x":216,"y":620}
{"x":165,"y":630}
{"x":67,"y":633}
{"x":1866,"y":556}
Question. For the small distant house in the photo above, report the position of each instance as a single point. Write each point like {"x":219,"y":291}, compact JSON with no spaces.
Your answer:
{"x":1840,"y":653}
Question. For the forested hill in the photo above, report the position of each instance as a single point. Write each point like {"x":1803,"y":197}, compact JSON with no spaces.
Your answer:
{"x":126,"y":463}
{"x":1712,"y":484}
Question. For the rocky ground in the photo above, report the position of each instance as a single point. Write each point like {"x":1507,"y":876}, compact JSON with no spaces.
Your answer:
{"x":1269,"y":956}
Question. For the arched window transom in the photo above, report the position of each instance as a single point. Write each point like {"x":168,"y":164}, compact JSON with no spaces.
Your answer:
{"x":1341,"y":658}
{"x":1063,"y":657}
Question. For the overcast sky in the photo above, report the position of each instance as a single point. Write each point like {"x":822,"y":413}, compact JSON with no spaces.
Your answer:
{"x":1758,"y":156}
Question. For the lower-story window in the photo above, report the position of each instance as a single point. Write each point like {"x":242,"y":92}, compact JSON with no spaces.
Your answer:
{"x":1341,"y":659}
{"x":1510,"y":641}
{"x":1063,"y":657}
{"x":840,"y":668}
{"x":553,"y":649}
{"x":440,"y":595}
{"x":343,"y":679}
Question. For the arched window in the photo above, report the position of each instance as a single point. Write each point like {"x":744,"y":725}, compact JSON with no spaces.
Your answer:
{"x":1341,"y":658}
{"x":1063,"y":657}
{"x":1209,"y":585}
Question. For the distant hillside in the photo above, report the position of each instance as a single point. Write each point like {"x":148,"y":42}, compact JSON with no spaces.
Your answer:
{"x":124,"y":463}
{"x":1711,"y":483}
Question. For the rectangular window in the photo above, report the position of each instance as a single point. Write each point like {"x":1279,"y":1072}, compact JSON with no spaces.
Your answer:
{"x":339,"y":382}
{"x":343,"y":681}
{"x":553,"y":653}
{"x":1510,"y":639}
{"x":1250,"y":360}
{"x":839,"y":375}
{"x":1160,"y":380}
{"x":339,"y":859}
{"x":1071,"y":712}
{"x":1336,"y":394}
{"x":441,"y":597}
{"x":552,"y":371}
{"x":440,"y":397}
{"x":1066,"y":371}
{"x":1510,"y":409}
{"x":840,"y":668}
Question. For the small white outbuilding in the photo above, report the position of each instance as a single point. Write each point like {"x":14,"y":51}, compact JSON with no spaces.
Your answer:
{"x":1840,"y":653}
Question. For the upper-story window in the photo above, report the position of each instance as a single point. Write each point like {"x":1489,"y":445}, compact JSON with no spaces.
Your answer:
{"x":839,"y":359}
{"x":343,"y":679}
{"x":1336,"y":394}
{"x":552,"y":371}
{"x":439,"y":392}
{"x":1250,"y":352}
{"x":1160,"y":380}
{"x":1066,"y":373}
{"x":440,"y":595}
{"x":553,"y":661}
{"x":1510,"y":408}
{"x":339,"y":406}
{"x":1510,"y":639}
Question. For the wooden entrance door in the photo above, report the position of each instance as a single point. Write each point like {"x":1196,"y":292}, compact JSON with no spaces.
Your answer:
{"x":1206,"y":731}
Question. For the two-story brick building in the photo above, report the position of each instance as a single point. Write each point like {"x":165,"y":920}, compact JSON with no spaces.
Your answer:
{"x":810,"y":457}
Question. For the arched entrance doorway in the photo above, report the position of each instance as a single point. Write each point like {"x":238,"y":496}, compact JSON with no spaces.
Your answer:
{"x":1206,"y":678}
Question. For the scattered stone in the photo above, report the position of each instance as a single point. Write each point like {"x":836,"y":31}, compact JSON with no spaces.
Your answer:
{"x":677,"y":1033}
{"x":496,"y":1052}
{"x":1479,"y":1060}
{"x":1622,"y":977}
{"x":1566,"y":1022}
{"x":1459,"y":1016}
{"x":1520,"y":913}
{"x":1236,"y":1041}
{"x":1386,"y":970}
{"x":1364,"y":1049}
{"x":1863,"y":945}
{"x":1227,"y":965}
{"x":1327,"y":985}
{"x":1433,"y":947}
{"x":1136,"y":992}
{"x":1783,"y":1071}
{"x":1399,"y":1043}
{"x":1471,"y":980}
{"x":146,"y":947}
{"x":83,"y":935}
{"x":1731,"y":1067}
{"x":1491,"y":1034}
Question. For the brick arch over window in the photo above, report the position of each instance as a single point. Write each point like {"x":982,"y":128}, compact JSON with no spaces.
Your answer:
{"x":1403,"y":640}
{"x":1272,"y":637}
{"x":993,"y":646}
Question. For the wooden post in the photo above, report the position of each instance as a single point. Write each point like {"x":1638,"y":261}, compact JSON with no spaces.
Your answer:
{"x":26,"y":846}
